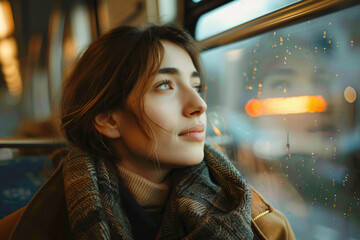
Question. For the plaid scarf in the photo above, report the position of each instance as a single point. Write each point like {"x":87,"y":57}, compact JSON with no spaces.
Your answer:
{"x":208,"y":201}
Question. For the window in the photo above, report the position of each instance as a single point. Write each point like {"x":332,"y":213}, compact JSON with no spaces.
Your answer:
{"x":285,"y":106}
{"x":235,"y":13}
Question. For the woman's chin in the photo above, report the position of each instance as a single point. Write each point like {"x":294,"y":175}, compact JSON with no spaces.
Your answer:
{"x":184,"y":158}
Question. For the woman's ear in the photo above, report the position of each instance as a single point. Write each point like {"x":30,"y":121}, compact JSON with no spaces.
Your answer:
{"x":107,"y":125}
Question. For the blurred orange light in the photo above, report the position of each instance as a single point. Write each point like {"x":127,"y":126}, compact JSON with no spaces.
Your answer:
{"x":10,"y":66}
{"x":215,"y":129}
{"x":287,"y":105}
{"x":6,"y":19}
{"x":8,"y":49}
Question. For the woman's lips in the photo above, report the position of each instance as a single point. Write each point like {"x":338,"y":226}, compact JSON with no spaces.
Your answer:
{"x":194,"y":133}
{"x":194,"y":136}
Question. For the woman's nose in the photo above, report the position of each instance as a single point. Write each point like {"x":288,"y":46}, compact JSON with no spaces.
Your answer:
{"x":194,"y":104}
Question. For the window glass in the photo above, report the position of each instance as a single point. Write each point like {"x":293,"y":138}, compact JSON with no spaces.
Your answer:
{"x":285,"y":106}
{"x":235,"y":13}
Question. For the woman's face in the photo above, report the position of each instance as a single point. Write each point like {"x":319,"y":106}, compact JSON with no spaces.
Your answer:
{"x":174,"y":111}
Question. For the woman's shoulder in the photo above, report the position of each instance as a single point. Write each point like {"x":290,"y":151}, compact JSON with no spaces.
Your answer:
{"x":268,"y":223}
{"x":8,"y":223}
{"x":44,"y":217}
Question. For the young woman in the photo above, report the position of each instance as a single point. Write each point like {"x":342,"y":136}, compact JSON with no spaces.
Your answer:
{"x":139,"y":169}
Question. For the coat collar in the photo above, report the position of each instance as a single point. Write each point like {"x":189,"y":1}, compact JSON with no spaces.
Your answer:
{"x":45,"y":216}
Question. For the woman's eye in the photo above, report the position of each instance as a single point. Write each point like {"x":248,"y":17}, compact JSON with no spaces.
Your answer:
{"x":164,"y":85}
{"x":198,"y":88}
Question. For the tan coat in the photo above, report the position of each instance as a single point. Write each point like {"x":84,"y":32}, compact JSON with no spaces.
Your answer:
{"x":268,"y":223}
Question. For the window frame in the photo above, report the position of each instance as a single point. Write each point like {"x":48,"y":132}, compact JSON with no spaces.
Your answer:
{"x":290,"y":15}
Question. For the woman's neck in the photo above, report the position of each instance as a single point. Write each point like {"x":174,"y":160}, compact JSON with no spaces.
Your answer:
{"x":147,"y":168}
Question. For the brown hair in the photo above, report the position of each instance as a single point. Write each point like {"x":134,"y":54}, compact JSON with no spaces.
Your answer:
{"x":107,"y":72}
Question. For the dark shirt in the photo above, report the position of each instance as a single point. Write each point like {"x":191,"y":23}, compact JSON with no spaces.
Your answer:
{"x":142,"y":225}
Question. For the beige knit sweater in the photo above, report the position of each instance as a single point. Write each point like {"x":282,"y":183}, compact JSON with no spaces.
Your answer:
{"x":150,"y":196}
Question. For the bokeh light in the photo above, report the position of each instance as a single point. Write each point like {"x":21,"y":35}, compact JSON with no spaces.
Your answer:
{"x":350,"y":94}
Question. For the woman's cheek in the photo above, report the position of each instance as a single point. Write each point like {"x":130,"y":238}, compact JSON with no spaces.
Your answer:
{"x":162,"y":113}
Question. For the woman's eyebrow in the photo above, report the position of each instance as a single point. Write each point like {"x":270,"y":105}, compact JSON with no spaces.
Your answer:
{"x":175,"y":71}
{"x":169,"y":71}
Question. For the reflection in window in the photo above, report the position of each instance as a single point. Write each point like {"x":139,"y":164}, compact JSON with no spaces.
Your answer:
{"x":285,"y":106}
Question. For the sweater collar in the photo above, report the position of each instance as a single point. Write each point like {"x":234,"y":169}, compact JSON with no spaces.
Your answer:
{"x":145,"y":192}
